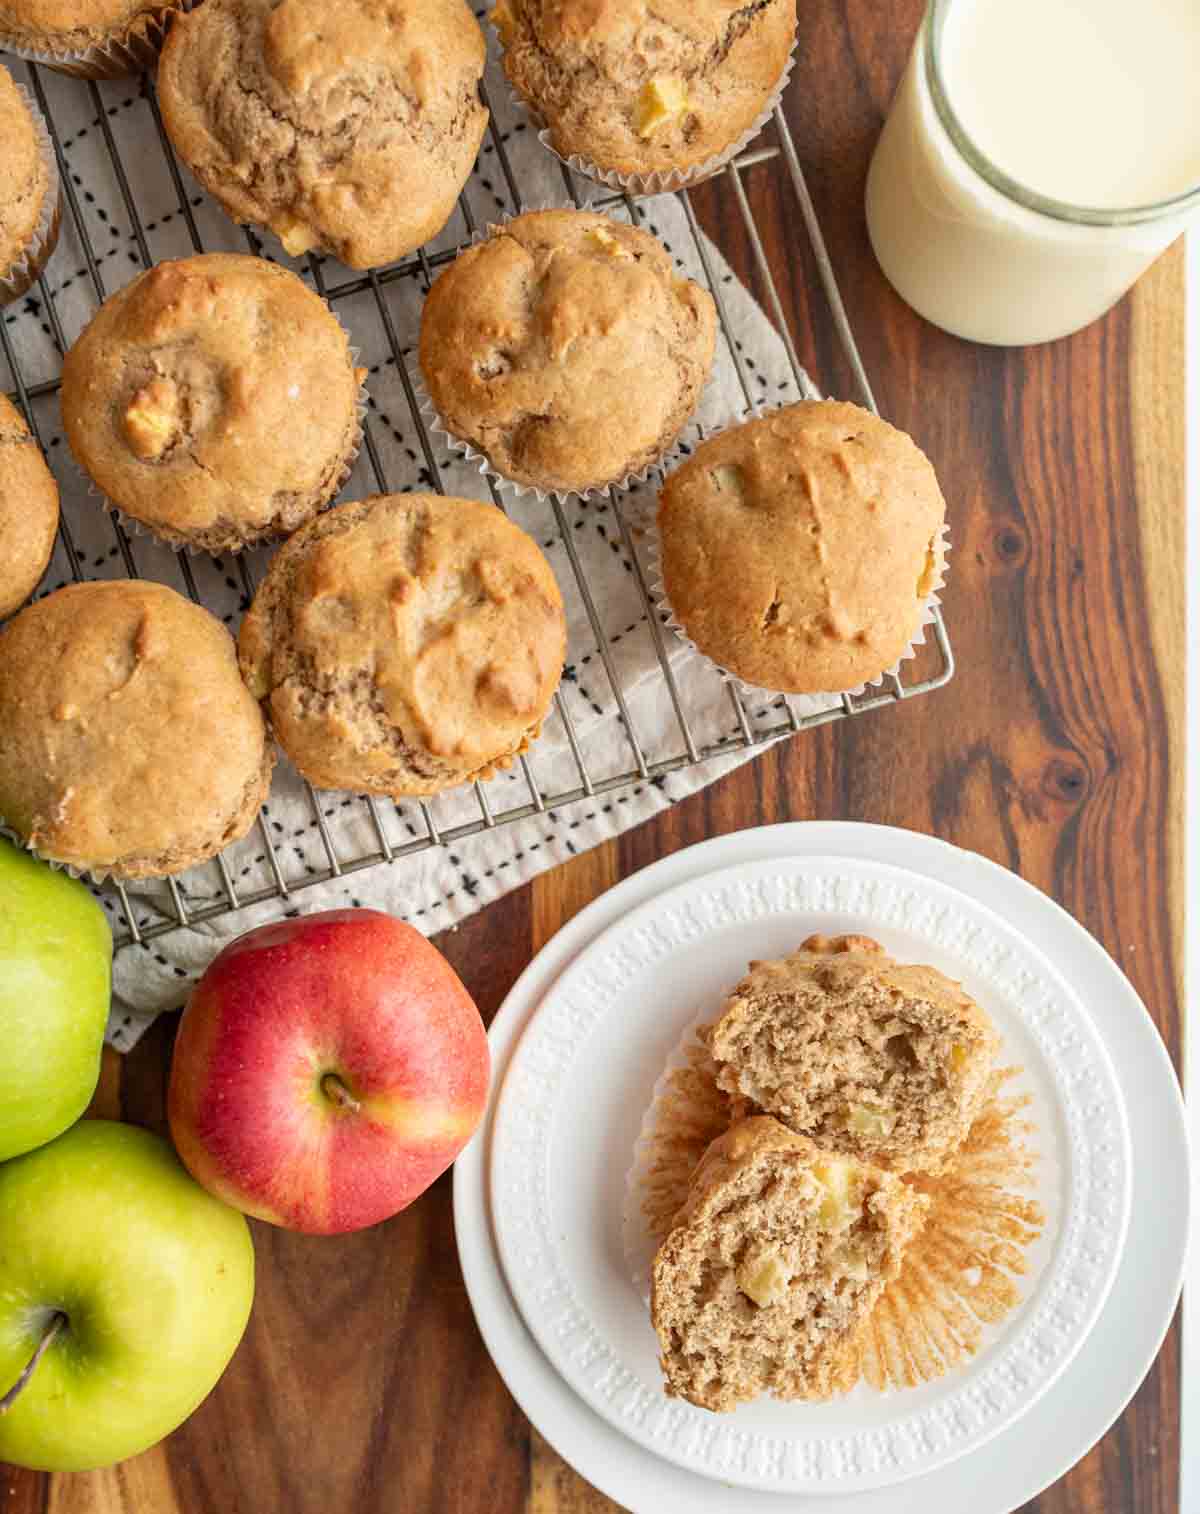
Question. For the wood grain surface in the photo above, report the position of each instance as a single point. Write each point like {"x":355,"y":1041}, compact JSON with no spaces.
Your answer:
{"x":362,"y":1384}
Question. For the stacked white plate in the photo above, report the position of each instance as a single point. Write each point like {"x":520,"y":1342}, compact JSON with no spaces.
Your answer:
{"x":577,"y":1048}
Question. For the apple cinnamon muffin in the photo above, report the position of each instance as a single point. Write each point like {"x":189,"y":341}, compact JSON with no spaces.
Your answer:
{"x":799,"y":550}
{"x":214,"y":400}
{"x":129,"y":745}
{"x":567,"y":349}
{"x":887,"y":1062}
{"x":28,"y":510}
{"x":777,"y":1257}
{"x":638,"y":88}
{"x":404,"y":644}
{"x":30,"y":209}
{"x":94,"y":39}
{"x":348,"y":128}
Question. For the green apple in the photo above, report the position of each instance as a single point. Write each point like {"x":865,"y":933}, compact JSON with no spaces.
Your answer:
{"x":55,"y":966}
{"x":140,"y":1281}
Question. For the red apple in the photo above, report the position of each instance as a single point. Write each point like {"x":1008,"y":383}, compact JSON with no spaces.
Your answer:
{"x":327,"y":1070}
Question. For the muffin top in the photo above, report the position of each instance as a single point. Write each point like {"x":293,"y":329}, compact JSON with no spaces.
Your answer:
{"x":348,"y":127}
{"x":566,"y":348}
{"x":24,"y":176}
{"x":64,"y":25}
{"x":641,"y":87}
{"x":405,"y":643}
{"x":28,"y":510}
{"x":798,"y":550}
{"x":214,"y":399}
{"x":128,"y":742}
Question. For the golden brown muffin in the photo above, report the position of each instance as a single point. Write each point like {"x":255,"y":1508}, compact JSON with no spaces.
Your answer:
{"x":351,"y":128}
{"x":128,"y":743}
{"x":98,"y":39}
{"x":215,"y":400}
{"x":28,"y":510}
{"x":29,"y":193}
{"x":404,"y":644}
{"x":777,"y":1257}
{"x":566,"y":349}
{"x":640,"y":87}
{"x":799,"y":550}
{"x":886,"y":1062}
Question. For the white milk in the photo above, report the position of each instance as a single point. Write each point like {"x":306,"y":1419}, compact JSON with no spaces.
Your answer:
{"x":1090,"y":105}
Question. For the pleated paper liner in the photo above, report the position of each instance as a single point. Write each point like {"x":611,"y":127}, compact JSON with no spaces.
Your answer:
{"x":22,"y":274}
{"x":689,"y":434}
{"x":664,"y":181}
{"x":754,"y":692}
{"x":97,"y":875}
{"x":959,"y":1276}
{"x":133,"y":51}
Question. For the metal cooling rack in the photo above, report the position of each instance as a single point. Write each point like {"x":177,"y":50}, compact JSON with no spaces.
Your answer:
{"x":140,"y":919}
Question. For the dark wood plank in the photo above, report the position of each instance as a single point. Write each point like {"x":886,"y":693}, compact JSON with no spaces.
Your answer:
{"x":363,"y":1383}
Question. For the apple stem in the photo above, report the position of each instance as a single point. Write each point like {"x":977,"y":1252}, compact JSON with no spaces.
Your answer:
{"x":336,"y":1091}
{"x":56,"y":1323}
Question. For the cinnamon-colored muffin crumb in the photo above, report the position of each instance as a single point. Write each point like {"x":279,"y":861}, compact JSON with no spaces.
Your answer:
{"x":775,"y":1260}
{"x":886,"y":1061}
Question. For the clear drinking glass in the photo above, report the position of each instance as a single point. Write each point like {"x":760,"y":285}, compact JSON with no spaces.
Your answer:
{"x":977,"y":253}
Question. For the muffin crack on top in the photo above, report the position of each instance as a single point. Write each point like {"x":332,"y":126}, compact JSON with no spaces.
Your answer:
{"x":799,"y":551}
{"x":567,"y":348}
{"x":404,"y":644}
{"x":215,"y":400}
{"x":641,"y":87}
{"x":349,"y":128}
{"x":128,"y":742}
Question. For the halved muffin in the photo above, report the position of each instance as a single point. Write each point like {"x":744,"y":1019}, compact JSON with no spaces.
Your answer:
{"x":776,"y":1258}
{"x":883,"y":1061}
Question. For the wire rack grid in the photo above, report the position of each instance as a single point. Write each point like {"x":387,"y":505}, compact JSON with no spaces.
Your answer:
{"x":141,"y":919}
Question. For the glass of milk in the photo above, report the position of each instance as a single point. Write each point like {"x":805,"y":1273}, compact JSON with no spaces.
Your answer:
{"x":1038,"y":156}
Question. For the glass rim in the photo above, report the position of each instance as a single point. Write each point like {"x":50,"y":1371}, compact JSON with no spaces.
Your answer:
{"x":1012,"y":189}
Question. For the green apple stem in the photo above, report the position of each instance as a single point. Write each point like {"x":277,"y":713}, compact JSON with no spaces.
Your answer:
{"x":337,"y":1093}
{"x":54,"y":1325}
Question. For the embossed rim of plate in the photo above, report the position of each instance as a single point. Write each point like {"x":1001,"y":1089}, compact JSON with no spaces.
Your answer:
{"x":1069,"y":1294}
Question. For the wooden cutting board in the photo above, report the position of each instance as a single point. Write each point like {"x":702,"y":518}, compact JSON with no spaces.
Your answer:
{"x":362,"y":1386}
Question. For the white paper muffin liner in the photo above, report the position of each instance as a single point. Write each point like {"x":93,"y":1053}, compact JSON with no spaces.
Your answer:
{"x":929,"y":608}
{"x":134,"y":51}
{"x":690,"y":434}
{"x":136,"y":527}
{"x":97,"y":875}
{"x":639,"y":1242}
{"x":27,"y":269}
{"x":662,"y":181}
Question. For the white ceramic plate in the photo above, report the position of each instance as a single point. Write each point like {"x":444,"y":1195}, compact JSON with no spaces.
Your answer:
{"x":582,"y":1077}
{"x":1020,"y":1460}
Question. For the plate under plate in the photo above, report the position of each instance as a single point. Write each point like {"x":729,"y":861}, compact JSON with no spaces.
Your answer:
{"x":573,"y":1100}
